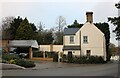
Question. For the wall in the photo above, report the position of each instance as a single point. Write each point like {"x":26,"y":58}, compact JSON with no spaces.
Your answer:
{"x":74,"y":52}
{"x":95,"y":40}
{"x":51,"y":48}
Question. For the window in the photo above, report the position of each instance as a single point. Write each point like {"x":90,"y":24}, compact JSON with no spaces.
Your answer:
{"x":85,"y":39}
{"x":71,"y":39}
{"x":88,"y":52}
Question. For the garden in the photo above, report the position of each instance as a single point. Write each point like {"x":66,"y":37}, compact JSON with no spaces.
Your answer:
{"x":15,"y":59}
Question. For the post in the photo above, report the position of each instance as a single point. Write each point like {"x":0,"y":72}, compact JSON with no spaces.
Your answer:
{"x":30,"y":53}
{"x":51,"y":47}
{"x":43,"y":54}
{"x":58,"y":56}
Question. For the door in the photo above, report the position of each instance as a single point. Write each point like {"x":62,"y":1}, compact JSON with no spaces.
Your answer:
{"x":69,"y":54}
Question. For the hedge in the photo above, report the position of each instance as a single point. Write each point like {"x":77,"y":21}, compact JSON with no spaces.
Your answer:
{"x":7,"y":57}
{"x":83,"y":59}
{"x":25,"y":63}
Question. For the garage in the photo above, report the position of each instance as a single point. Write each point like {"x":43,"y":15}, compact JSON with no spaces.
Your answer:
{"x":25,"y":46}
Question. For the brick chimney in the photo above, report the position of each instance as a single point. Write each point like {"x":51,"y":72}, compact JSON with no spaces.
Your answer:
{"x":89,"y":16}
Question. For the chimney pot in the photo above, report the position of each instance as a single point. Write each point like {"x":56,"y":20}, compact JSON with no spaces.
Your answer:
{"x":89,"y":16}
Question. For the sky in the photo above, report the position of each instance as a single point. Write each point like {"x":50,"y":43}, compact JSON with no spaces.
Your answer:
{"x":47,"y":11}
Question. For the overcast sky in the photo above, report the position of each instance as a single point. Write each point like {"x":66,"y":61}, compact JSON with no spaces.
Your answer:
{"x":47,"y":11}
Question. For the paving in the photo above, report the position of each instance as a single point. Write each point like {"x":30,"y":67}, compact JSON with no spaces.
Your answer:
{"x":54,"y":65}
{"x":57,"y":69}
{"x":4,"y":66}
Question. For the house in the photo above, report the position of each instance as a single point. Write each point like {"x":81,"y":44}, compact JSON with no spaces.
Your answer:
{"x":85,"y":41}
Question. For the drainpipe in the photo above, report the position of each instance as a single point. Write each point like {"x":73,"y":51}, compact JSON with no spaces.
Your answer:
{"x":80,"y":43}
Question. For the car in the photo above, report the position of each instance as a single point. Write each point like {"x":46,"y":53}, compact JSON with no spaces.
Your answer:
{"x":12,"y":52}
{"x":23,"y":55}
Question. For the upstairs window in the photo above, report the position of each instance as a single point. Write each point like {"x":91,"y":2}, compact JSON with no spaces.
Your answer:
{"x":85,"y":39}
{"x":71,"y":39}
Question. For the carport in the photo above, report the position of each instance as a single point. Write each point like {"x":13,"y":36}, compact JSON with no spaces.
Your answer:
{"x":24,"y":43}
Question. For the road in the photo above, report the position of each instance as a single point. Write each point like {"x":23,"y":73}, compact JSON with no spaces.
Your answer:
{"x":67,"y":70}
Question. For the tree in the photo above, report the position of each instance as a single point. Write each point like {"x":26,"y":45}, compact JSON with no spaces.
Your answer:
{"x":113,"y":49}
{"x":14,"y":26}
{"x":58,"y":37}
{"x":44,"y":37}
{"x":6,"y":22}
{"x":47,"y":37}
{"x":61,"y":22}
{"x":75,"y":25}
{"x":5,"y":27}
{"x":40,"y":33}
{"x":116,"y":22}
{"x":24,"y":31}
{"x":33,"y":27}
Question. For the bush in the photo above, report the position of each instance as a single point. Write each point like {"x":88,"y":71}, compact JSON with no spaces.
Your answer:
{"x":70,"y":58}
{"x":85,"y":60}
{"x":55,"y":57}
{"x":64,"y":58}
{"x":12,"y":62}
{"x":50,"y":54}
{"x":25,"y":63}
{"x":37,"y":54}
{"x":4,"y":61}
{"x":9,"y":57}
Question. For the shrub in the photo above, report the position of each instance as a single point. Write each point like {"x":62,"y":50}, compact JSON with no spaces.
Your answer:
{"x":12,"y":62}
{"x":70,"y":58}
{"x":55,"y":57}
{"x":37,"y":54}
{"x":4,"y":61}
{"x":50,"y":54}
{"x":25,"y":63}
{"x":8,"y":57}
{"x":84,"y":59}
{"x":64,"y":58}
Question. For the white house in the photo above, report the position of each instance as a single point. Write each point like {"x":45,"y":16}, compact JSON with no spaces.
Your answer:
{"x":87,"y":40}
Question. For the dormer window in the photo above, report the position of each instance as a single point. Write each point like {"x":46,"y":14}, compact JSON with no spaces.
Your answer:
{"x":71,"y":39}
{"x":85,"y":39}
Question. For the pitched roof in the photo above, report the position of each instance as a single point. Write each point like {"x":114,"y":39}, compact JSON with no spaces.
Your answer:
{"x":23,"y":43}
{"x":70,"y":31}
{"x":71,"y":47}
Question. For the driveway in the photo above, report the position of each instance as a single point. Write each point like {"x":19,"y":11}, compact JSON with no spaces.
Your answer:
{"x":54,"y":65}
{"x":4,"y":66}
{"x":64,"y":69}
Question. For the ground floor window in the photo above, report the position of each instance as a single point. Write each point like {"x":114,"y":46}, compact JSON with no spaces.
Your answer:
{"x":88,"y":52}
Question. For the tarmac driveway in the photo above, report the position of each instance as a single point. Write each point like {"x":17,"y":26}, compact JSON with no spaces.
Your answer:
{"x":64,"y":69}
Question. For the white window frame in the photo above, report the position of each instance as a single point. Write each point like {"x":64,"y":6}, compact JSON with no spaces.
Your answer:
{"x":85,"y":39}
{"x":72,"y":39}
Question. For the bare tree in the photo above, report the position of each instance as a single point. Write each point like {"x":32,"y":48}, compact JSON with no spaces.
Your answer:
{"x":6,"y":22}
{"x":58,"y":35}
{"x":61,"y":22}
{"x":41,"y":26}
{"x":4,"y":27}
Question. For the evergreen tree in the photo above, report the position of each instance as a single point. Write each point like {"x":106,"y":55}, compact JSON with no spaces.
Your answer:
{"x":24,"y":31}
{"x":75,"y":25}
{"x":14,"y":26}
{"x":116,"y":22}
